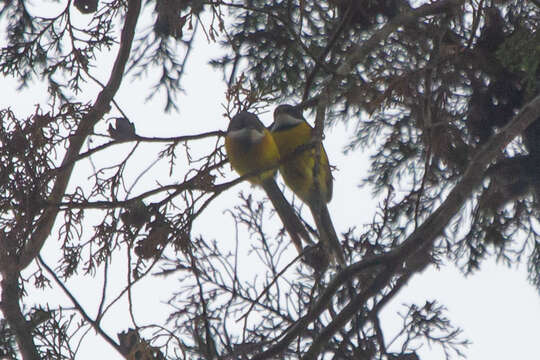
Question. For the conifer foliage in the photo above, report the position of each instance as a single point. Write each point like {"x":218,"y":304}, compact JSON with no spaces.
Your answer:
{"x":445,"y":94}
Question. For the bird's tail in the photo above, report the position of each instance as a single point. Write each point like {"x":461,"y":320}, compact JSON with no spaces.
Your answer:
{"x":327,"y":232}
{"x":286,"y":213}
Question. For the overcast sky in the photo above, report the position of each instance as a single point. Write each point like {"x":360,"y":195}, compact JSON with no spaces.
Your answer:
{"x":496,"y":307}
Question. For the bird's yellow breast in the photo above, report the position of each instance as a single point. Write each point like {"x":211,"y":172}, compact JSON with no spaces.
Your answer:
{"x":252,"y":157}
{"x":298,"y":170}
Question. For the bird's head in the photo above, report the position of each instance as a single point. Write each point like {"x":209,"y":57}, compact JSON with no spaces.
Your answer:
{"x":246,"y":127}
{"x":286,"y":116}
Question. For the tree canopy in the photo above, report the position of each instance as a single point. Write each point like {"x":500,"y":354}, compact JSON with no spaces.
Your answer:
{"x":444,"y":94}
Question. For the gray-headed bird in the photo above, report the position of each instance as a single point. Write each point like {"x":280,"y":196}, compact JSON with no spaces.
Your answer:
{"x":251,"y":150}
{"x":291,"y":131}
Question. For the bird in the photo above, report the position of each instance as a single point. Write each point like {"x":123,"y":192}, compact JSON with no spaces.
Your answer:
{"x":292,"y":132}
{"x":252,"y":151}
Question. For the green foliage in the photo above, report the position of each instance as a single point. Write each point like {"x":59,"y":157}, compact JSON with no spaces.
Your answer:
{"x":520,"y":52}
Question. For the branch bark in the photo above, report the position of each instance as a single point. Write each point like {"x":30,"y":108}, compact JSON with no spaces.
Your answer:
{"x":424,"y":235}
{"x":11,"y":264}
{"x":436,"y":222}
{"x":101,"y":107}
{"x":9,"y":305}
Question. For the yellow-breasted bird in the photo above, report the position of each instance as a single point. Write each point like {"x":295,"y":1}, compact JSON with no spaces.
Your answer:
{"x":251,"y":149}
{"x":291,"y":131}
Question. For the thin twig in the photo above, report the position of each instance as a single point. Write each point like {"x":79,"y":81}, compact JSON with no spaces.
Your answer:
{"x":424,"y":234}
{"x":79,"y":307}
{"x":96,"y":112}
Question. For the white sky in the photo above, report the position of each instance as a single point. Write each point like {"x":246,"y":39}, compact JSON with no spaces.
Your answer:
{"x":496,"y":307}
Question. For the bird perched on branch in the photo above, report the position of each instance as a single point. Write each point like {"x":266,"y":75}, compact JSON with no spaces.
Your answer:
{"x":308,"y":177}
{"x":251,"y":150}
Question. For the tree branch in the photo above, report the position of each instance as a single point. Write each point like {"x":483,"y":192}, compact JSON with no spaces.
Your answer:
{"x":174,"y":139}
{"x":472,"y":178}
{"x":100,"y":108}
{"x":94,"y":323}
{"x":363,"y":49}
{"x":322,"y":303}
{"x":348,"y":312}
{"x":436,"y":222}
{"x":423,"y":235}
{"x":13,"y":314}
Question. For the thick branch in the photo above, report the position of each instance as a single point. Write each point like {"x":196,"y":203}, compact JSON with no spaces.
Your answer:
{"x":345,"y":315}
{"x":425,"y":234}
{"x":100,"y":108}
{"x":472,"y":178}
{"x":322,"y":303}
{"x":436,"y":222}
{"x":13,"y":314}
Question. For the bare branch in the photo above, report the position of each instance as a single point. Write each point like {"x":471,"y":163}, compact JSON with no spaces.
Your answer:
{"x":174,"y":139}
{"x":78,"y":306}
{"x":100,"y":107}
